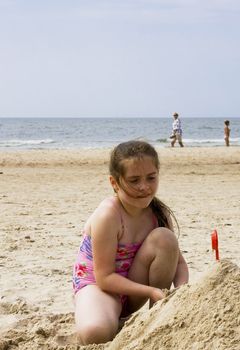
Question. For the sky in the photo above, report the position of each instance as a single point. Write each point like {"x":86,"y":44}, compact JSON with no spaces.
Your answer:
{"x":119,"y":58}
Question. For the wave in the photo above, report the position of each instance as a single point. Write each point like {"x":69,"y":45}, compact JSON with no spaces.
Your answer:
{"x":19,"y":143}
{"x":162,"y":140}
{"x":199,"y":142}
{"x":218,"y":141}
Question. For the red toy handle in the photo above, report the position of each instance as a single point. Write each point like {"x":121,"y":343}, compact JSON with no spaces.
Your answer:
{"x":214,"y":237}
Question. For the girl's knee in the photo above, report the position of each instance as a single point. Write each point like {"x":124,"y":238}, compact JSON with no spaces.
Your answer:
{"x":94,"y":334}
{"x":162,"y":237}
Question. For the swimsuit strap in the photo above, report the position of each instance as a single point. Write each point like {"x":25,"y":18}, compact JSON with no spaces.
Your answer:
{"x":154,"y":218}
{"x":120,"y":214}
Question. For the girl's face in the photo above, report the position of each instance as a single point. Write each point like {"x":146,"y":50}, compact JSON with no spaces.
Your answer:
{"x":139,"y":184}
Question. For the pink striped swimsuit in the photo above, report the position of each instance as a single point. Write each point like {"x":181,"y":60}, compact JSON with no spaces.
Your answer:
{"x":83,"y":273}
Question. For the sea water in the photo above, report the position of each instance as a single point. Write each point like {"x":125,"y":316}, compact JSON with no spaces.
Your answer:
{"x":73,"y":133}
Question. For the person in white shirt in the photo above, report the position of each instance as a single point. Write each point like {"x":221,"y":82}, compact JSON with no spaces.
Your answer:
{"x":176,"y":131}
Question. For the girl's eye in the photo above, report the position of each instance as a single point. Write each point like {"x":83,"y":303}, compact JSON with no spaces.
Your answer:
{"x":152,"y":178}
{"x":135,"y":181}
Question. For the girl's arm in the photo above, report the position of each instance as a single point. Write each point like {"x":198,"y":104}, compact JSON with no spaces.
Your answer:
{"x":182,"y":275}
{"x":104,"y":231}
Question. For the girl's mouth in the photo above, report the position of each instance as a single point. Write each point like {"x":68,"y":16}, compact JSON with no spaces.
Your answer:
{"x":144,"y":195}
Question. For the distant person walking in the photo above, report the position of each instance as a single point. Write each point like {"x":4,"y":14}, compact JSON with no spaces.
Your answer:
{"x":176,"y":131}
{"x":227,"y":132}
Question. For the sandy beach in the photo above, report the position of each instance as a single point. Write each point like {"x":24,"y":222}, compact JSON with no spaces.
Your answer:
{"x":45,"y":198}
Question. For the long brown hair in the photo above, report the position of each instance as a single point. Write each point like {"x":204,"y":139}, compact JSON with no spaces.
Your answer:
{"x":139,"y":149}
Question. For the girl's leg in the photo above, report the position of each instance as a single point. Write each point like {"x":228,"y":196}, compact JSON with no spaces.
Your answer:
{"x":96,"y":315}
{"x":155,"y":263}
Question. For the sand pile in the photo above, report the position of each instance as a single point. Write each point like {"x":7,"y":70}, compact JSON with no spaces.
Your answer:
{"x":205,"y":316}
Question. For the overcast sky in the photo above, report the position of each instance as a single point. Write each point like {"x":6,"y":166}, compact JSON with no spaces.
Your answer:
{"x":119,"y":58}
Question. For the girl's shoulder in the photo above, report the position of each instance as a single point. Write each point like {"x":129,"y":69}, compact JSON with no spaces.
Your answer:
{"x":105,"y":218}
{"x":109,"y":203}
{"x":108,"y":209}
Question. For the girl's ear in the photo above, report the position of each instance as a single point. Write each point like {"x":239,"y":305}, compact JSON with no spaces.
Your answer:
{"x":114,"y":183}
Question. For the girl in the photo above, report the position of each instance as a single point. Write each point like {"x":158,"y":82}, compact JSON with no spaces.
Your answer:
{"x":129,"y":252}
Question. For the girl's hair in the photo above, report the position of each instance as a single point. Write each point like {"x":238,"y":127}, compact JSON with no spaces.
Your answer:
{"x":226,"y":122}
{"x":138,"y":150}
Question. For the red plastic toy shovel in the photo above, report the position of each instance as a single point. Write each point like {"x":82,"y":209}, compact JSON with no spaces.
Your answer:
{"x":214,"y":237}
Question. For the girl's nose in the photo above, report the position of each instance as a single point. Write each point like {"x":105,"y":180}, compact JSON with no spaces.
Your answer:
{"x":143,"y":186}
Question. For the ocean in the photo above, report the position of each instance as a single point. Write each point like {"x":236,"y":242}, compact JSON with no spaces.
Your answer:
{"x":74,"y":133}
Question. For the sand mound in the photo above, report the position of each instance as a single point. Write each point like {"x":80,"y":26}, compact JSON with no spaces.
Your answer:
{"x":205,"y":316}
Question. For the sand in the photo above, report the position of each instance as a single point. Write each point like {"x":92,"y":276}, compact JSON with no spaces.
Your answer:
{"x":202,"y":316}
{"x":45,"y":197}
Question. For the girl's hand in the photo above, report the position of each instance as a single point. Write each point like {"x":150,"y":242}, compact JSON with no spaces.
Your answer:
{"x":156,"y":294}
